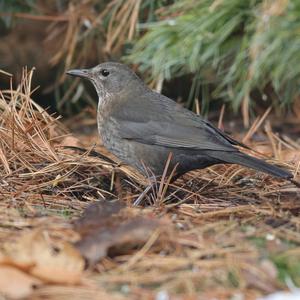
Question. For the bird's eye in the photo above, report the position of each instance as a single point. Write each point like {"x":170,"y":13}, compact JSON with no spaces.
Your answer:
{"x":104,"y":72}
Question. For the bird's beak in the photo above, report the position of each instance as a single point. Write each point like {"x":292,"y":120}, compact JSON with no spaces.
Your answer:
{"x":84,"y":73}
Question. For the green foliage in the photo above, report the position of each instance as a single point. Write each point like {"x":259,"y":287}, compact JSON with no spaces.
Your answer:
{"x":288,"y":267}
{"x":234,"y":46}
{"x":231,"y":48}
{"x":16,"y":5}
{"x":13,"y":6}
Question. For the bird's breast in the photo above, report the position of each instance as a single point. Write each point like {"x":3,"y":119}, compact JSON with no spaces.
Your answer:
{"x":110,"y":134}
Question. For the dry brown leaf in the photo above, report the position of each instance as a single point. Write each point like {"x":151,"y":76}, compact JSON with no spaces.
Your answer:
{"x":61,"y":264}
{"x":70,"y":140}
{"x":263,"y":149}
{"x":259,"y":279}
{"x":104,"y":226}
{"x":20,"y":253}
{"x":291,"y":155}
{"x":126,"y":236}
{"x":16,"y":284}
{"x":35,"y":252}
{"x":269,"y":268}
{"x":97,"y":214}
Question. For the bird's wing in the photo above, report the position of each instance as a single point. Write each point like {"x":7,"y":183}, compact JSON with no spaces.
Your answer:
{"x":174,"y":136}
{"x":155,"y":119}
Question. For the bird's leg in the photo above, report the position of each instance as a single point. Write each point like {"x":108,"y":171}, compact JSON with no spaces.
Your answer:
{"x":141,"y":197}
{"x":164,"y":180}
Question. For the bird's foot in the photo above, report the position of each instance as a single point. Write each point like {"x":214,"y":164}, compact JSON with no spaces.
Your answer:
{"x":141,"y":197}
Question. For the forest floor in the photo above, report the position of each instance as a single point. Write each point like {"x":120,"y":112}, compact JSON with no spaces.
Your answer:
{"x":69,"y":229}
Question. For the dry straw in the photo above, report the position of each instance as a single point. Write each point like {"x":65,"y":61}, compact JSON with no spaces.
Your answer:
{"x":216,"y":217}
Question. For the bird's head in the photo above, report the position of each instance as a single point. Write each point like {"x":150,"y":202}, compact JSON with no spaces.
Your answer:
{"x":108,"y":78}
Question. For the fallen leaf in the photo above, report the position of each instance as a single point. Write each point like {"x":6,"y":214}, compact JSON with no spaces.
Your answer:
{"x":19,"y":253}
{"x":291,"y":156}
{"x":16,"y":284}
{"x":97,"y":214}
{"x":131,"y":234}
{"x":59,"y":264}
{"x":36,"y":253}
{"x":70,"y":141}
{"x":104,"y":227}
{"x":269,"y":268}
{"x":259,"y":279}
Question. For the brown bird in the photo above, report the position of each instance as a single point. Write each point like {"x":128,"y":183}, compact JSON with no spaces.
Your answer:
{"x":142,"y":127}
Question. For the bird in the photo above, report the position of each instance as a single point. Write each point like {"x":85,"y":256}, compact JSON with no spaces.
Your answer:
{"x":145,"y":129}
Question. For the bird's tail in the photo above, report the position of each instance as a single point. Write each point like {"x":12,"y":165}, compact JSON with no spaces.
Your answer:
{"x":256,"y":164}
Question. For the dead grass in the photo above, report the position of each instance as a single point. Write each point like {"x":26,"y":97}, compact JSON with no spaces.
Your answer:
{"x":227,"y":231}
